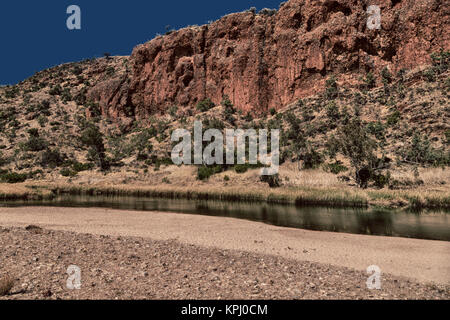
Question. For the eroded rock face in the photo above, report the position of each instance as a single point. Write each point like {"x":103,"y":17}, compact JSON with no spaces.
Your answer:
{"x":264,"y":62}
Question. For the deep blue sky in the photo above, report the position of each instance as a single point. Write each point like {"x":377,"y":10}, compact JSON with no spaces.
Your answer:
{"x":35,"y":37}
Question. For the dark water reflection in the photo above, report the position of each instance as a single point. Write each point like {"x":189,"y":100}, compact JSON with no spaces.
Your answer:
{"x":426,"y":225}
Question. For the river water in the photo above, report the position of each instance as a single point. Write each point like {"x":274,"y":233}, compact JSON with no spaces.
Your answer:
{"x":423,"y":225}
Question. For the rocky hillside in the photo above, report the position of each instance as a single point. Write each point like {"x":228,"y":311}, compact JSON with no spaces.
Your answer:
{"x":312,"y":69}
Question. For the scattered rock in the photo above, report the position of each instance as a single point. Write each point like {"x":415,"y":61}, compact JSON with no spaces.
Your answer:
{"x":34,"y":229}
{"x":110,"y":270}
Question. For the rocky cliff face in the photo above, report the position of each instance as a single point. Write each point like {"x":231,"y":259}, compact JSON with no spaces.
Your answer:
{"x":264,"y":61}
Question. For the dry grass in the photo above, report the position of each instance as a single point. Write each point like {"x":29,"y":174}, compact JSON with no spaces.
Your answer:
{"x":6,"y":285}
{"x":323,"y":193}
{"x":23,"y":191}
{"x":13,"y":191}
{"x":411,"y":199}
{"x":293,"y":176}
{"x":301,"y":187}
{"x":430,"y":176}
{"x":341,"y":196}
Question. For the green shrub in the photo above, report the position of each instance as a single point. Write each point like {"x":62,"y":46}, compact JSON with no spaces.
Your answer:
{"x":333,"y":112}
{"x":33,"y":132}
{"x":205,"y":105}
{"x":353,"y":141}
{"x":110,"y":71}
{"x":13,"y":177}
{"x":35,"y":144}
{"x":205,"y":172}
{"x":359,"y":99}
{"x":93,"y":138}
{"x":401,"y":75}
{"x":331,"y":88}
{"x":447,"y":136}
{"x":393,"y":118}
{"x":7,"y":115}
{"x":441,"y":60}
{"x":273,"y":181}
{"x":380,"y":180}
{"x":229,"y":109}
{"x":94,"y":109}
{"x":386,"y":76}
{"x":80,"y":98}
{"x":173,"y":111}
{"x":79,"y":167}
{"x":369,"y":81}
{"x":248,"y":117}
{"x":12,"y":92}
{"x":241,"y":168}
{"x":3,"y":161}
{"x":336,"y":167}
{"x":42,"y":120}
{"x":268,"y":12}
{"x":33,"y":174}
{"x":77,"y":70}
{"x":376,"y":129}
{"x":55,"y":91}
{"x":420,"y":151}
{"x":44,"y":107}
{"x":141,"y":144}
{"x":158,"y":162}
{"x":430,"y":74}
{"x":311,"y":158}
{"x":66,"y":95}
{"x":67,"y":172}
{"x":51,"y":158}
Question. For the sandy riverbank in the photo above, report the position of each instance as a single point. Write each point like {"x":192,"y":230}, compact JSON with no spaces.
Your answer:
{"x":421,"y":260}
{"x":139,"y":268}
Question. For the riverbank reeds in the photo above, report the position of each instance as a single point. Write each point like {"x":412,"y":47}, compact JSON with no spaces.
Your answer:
{"x":297,"y":196}
{"x":15,"y":192}
{"x":300,"y":196}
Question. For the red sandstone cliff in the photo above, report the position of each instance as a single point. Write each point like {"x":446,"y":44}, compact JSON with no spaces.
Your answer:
{"x":263,"y":61}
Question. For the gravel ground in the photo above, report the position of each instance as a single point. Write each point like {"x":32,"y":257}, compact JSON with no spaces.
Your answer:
{"x":422,"y":260}
{"x":138,"y":268}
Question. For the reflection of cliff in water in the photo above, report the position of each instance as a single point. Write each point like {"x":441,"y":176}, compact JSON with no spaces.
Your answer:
{"x":426,"y":225}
